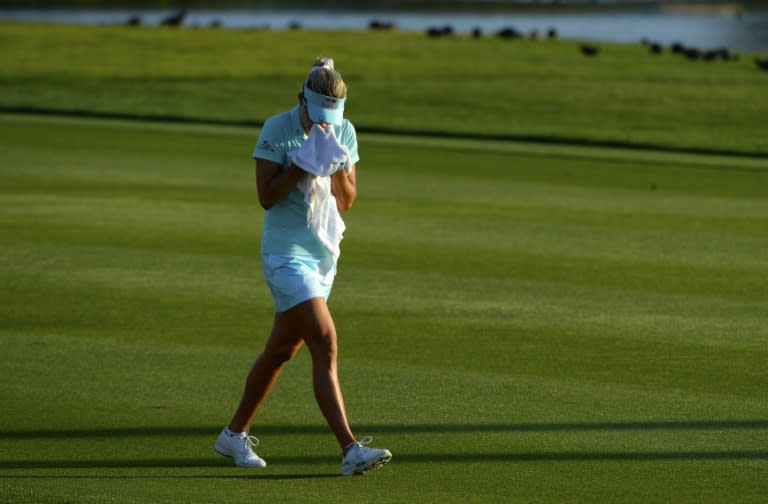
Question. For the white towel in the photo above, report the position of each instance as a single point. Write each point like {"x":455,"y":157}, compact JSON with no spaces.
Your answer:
{"x":321,"y":155}
{"x":322,"y":214}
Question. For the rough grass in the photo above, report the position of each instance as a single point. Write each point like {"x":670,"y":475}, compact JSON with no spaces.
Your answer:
{"x":460,"y":85}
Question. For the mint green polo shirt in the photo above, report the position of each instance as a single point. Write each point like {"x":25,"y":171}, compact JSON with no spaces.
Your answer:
{"x":285,"y":224}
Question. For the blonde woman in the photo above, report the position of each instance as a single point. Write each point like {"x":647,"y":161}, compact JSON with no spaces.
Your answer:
{"x":305,"y":175}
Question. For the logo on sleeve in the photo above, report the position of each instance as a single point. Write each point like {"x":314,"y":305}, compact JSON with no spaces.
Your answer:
{"x":265,"y":145}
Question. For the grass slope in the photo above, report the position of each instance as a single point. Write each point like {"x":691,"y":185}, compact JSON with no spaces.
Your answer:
{"x":517,"y":323}
{"x":397,"y":80}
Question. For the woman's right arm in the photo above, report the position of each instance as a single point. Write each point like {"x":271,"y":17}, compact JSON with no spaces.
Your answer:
{"x":274,"y":184}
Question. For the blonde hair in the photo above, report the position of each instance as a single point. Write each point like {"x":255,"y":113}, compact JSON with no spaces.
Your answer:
{"x":324,"y":79}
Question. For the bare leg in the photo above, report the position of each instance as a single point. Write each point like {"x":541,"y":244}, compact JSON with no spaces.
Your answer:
{"x":281,"y":346}
{"x":309,"y":322}
{"x":313,"y":321}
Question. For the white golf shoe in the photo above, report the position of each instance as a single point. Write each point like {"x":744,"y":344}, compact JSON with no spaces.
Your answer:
{"x":358,"y":458}
{"x":239,"y":447}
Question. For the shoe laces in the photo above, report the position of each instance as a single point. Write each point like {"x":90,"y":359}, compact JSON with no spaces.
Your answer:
{"x":250,"y":442}
{"x":360,"y":444}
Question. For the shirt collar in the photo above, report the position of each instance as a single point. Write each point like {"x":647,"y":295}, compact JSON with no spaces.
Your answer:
{"x":296,"y":121}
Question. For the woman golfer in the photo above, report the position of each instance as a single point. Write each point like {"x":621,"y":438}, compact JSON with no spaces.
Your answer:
{"x":305,"y":174}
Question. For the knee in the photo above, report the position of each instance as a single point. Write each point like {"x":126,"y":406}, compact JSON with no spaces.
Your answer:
{"x":280,"y":355}
{"x":322,"y":345}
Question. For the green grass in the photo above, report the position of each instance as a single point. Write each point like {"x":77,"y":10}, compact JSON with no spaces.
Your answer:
{"x":397,"y":80}
{"x":518,"y":323}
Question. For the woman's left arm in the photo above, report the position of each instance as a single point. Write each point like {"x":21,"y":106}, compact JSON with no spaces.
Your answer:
{"x":344,"y":187}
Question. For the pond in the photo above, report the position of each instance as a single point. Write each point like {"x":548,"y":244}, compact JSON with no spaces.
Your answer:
{"x":711,"y":26}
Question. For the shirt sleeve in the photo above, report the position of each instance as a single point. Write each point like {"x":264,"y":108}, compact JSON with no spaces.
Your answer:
{"x":271,"y":144}
{"x":349,"y":139}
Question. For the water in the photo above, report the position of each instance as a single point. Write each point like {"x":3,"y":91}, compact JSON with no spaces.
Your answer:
{"x":726,"y":25}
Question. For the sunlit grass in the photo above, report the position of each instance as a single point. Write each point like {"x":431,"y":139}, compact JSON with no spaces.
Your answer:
{"x":544,"y":89}
{"x":516,"y":323}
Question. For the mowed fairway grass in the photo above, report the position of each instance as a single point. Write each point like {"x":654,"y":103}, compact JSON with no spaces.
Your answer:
{"x":517,"y":323}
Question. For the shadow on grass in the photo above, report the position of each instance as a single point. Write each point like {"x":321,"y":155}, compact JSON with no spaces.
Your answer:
{"x":278,"y":430}
{"x":445,"y":458}
{"x":256,"y":476}
{"x":405,"y":458}
{"x":539,"y":139}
